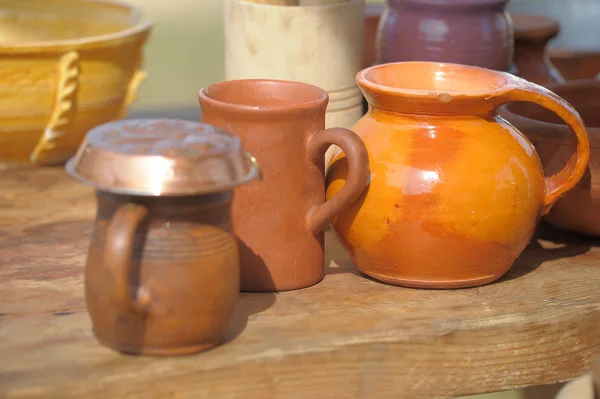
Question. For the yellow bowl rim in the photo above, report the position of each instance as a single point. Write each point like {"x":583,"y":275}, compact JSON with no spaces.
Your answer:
{"x":86,"y":43}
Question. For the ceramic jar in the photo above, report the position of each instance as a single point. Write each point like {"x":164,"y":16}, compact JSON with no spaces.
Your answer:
{"x":65,"y":67}
{"x":532,"y":34}
{"x":455,"y":192}
{"x":316,"y":44}
{"x":279,"y":220}
{"x":579,"y":209}
{"x":575,"y":52}
{"x":162,"y":272}
{"x":472,"y":32}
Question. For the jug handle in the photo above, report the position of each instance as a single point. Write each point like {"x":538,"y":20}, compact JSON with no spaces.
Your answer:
{"x":117,"y":257}
{"x":358,"y":173}
{"x":520,"y":90}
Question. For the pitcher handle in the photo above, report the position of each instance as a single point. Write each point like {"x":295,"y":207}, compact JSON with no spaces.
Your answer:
{"x":358,"y":173}
{"x":117,"y":257}
{"x":520,"y":90}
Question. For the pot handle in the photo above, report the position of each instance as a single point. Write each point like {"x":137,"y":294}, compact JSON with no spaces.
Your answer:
{"x":520,"y":90}
{"x":63,"y":109}
{"x":138,"y":77}
{"x":117,"y":257}
{"x":358,"y":173}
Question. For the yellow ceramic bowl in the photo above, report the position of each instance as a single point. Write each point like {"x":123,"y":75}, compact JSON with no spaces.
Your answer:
{"x":65,"y":67}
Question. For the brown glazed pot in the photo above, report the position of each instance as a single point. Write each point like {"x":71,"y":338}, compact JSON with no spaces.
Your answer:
{"x":471,"y":32}
{"x":579,"y":209}
{"x":162,"y":273}
{"x":532,"y":34}
{"x":279,"y":220}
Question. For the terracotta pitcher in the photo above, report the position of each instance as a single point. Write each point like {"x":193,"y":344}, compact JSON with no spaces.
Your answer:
{"x":162,"y":274}
{"x":455,"y":191}
{"x":279,"y":220}
{"x":472,"y":32}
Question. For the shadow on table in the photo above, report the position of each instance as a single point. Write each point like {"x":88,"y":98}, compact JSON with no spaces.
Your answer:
{"x":563,"y":244}
{"x":337,"y":260}
{"x":248,"y":304}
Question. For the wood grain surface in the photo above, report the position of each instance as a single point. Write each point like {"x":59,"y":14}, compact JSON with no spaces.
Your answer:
{"x":347,"y":337}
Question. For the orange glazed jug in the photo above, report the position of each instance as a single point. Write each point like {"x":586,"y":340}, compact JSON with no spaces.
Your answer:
{"x":455,"y":191}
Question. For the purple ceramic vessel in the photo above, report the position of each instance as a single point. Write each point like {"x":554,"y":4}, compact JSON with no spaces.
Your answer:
{"x":472,"y":32}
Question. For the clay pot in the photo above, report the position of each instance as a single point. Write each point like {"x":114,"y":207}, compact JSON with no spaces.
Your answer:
{"x":532,"y":34}
{"x":65,"y":67}
{"x":316,"y":44}
{"x":162,"y":273}
{"x":455,"y":192}
{"x":578,"y":210}
{"x":279,"y":220}
{"x":471,"y":32}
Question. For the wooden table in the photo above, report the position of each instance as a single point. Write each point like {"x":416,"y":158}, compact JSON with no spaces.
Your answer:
{"x":347,"y":337}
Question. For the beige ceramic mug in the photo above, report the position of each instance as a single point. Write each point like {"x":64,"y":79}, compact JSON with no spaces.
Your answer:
{"x":319,"y":42}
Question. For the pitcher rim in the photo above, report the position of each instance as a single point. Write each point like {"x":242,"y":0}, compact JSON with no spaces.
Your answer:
{"x":363,"y":81}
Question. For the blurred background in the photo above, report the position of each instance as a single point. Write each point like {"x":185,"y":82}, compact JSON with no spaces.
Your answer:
{"x":186,"y":53}
{"x":186,"y":49}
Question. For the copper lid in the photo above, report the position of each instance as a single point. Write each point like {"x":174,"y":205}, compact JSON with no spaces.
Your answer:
{"x":161,"y":157}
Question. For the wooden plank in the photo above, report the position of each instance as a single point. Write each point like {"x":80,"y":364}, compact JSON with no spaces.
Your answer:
{"x":347,"y":337}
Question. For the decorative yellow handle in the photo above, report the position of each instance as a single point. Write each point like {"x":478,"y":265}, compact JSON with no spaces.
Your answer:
{"x":137,"y":78}
{"x":136,"y":81}
{"x":64,"y":105}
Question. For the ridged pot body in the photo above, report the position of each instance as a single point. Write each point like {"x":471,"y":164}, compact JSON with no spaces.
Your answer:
{"x":184,"y":259}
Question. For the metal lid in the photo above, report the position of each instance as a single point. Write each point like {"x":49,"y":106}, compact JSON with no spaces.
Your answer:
{"x":159,"y":157}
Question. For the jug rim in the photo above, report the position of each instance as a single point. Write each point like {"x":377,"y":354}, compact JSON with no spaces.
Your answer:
{"x":490,"y":81}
